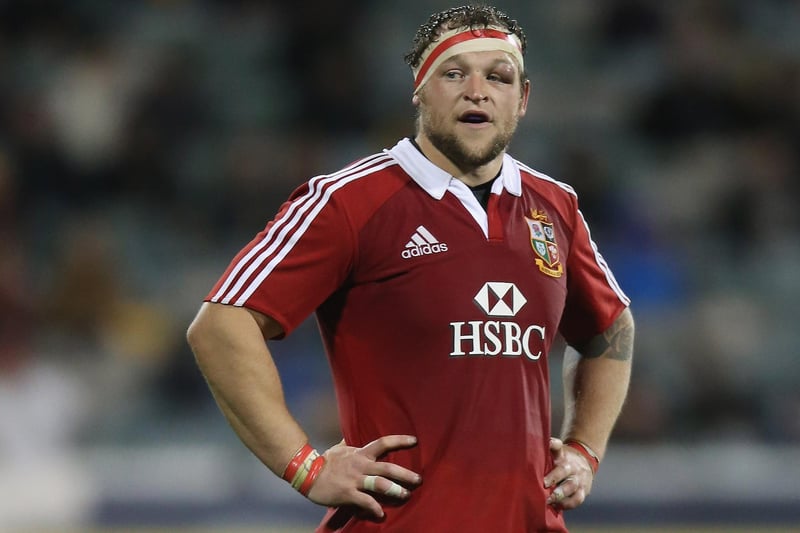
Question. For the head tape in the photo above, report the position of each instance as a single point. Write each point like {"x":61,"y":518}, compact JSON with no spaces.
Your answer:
{"x":465,"y":39}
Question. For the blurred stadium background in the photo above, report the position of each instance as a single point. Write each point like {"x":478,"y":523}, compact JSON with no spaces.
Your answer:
{"x":143,"y":143}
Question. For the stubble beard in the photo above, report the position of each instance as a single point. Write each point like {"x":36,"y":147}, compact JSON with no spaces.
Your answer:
{"x":457,"y":151}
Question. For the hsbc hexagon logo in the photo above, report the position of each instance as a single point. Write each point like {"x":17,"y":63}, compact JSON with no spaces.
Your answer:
{"x":500,"y":298}
{"x":493,"y":338}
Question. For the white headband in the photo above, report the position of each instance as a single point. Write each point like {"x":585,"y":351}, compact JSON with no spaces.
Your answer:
{"x":462,"y":40}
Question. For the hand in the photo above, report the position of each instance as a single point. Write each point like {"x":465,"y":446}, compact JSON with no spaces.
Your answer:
{"x":352,"y":476}
{"x":571,"y":476}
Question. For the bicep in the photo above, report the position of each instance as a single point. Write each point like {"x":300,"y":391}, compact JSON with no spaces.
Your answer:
{"x":220,"y":326}
{"x":270,"y":328}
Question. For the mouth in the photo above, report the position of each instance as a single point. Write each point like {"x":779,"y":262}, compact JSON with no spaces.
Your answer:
{"x":474,"y":117}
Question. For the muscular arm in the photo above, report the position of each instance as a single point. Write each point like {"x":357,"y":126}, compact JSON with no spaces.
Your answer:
{"x":229,"y":346}
{"x":596,"y":378}
{"x":231,"y":351}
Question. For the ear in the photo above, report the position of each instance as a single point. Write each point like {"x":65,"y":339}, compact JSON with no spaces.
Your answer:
{"x":415,"y":100}
{"x":526,"y":92}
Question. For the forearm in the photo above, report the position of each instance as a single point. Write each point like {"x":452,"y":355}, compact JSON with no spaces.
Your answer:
{"x":231,"y":352}
{"x":596,"y":380}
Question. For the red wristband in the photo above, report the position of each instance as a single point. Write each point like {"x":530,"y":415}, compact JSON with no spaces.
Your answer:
{"x":313,"y":472}
{"x":586,"y":451}
{"x":297,"y":460}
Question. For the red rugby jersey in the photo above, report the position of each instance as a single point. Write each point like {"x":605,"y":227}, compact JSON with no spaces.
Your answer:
{"x":437,"y":317}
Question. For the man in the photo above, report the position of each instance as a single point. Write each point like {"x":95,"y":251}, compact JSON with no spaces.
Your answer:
{"x":440,"y":272}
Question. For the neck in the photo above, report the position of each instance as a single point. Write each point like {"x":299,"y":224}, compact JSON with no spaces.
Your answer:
{"x":472,"y":176}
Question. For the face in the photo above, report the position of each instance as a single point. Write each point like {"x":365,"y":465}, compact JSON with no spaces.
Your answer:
{"x":470,"y":107}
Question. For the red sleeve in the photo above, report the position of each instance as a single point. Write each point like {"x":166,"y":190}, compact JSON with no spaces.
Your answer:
{"x":594,"y":298}
{"x":302,"y":256}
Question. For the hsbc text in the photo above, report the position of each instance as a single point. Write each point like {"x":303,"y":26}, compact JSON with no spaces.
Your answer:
{"x":494,"y":337}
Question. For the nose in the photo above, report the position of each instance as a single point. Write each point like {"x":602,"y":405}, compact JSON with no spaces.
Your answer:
{"x":475,"y":89}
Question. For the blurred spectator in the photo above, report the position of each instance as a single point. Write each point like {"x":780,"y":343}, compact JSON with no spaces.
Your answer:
{"x":17,"y":319}
{"x":42,"y":403}
{"x":325,"y":63}
{"x":696,"y":94}
{"x":631,"y":23}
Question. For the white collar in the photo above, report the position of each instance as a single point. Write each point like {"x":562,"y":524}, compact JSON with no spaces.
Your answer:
{"x":436,"y":181}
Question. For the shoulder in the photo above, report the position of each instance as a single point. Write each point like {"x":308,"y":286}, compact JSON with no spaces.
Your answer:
{"x":355,"y":191}
{"x":375,"y":174}
{"x":544,"y":184}
{"x":542,"y":188}
{"x":357,"y":174}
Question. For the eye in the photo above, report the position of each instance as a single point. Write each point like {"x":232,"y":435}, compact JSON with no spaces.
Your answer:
{"x":453,"y":74}
{"x":502,"y":72}
{"x":500,"y":77}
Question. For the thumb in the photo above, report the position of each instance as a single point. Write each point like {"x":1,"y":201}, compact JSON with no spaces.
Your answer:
{"x":556,"y":445}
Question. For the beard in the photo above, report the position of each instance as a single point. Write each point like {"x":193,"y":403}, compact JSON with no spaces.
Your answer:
{"x":459,"y":152}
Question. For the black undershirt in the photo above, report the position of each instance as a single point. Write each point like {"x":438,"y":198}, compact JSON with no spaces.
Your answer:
{"x":481,"y":191}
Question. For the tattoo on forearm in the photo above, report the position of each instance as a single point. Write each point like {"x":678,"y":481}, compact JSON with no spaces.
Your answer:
{"x":614,"y":343}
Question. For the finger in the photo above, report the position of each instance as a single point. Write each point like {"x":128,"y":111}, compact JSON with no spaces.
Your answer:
{"x":387,"y":443}
{"x":556,"y":496}
{"x":368,"y":503}
{"x":394,"y":472}
{"x":573,"y":494}
{"x":556,"y":444}
{"x":381,"y":485}
{"x":573,"y":501}
{"x":564,"y":490}
{"x":558,"y":474}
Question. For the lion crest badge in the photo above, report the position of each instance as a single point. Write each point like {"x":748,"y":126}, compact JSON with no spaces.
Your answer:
{"x":543,"y":242}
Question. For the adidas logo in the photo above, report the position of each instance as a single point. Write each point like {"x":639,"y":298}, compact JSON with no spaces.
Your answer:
{"x":423,"y":243}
